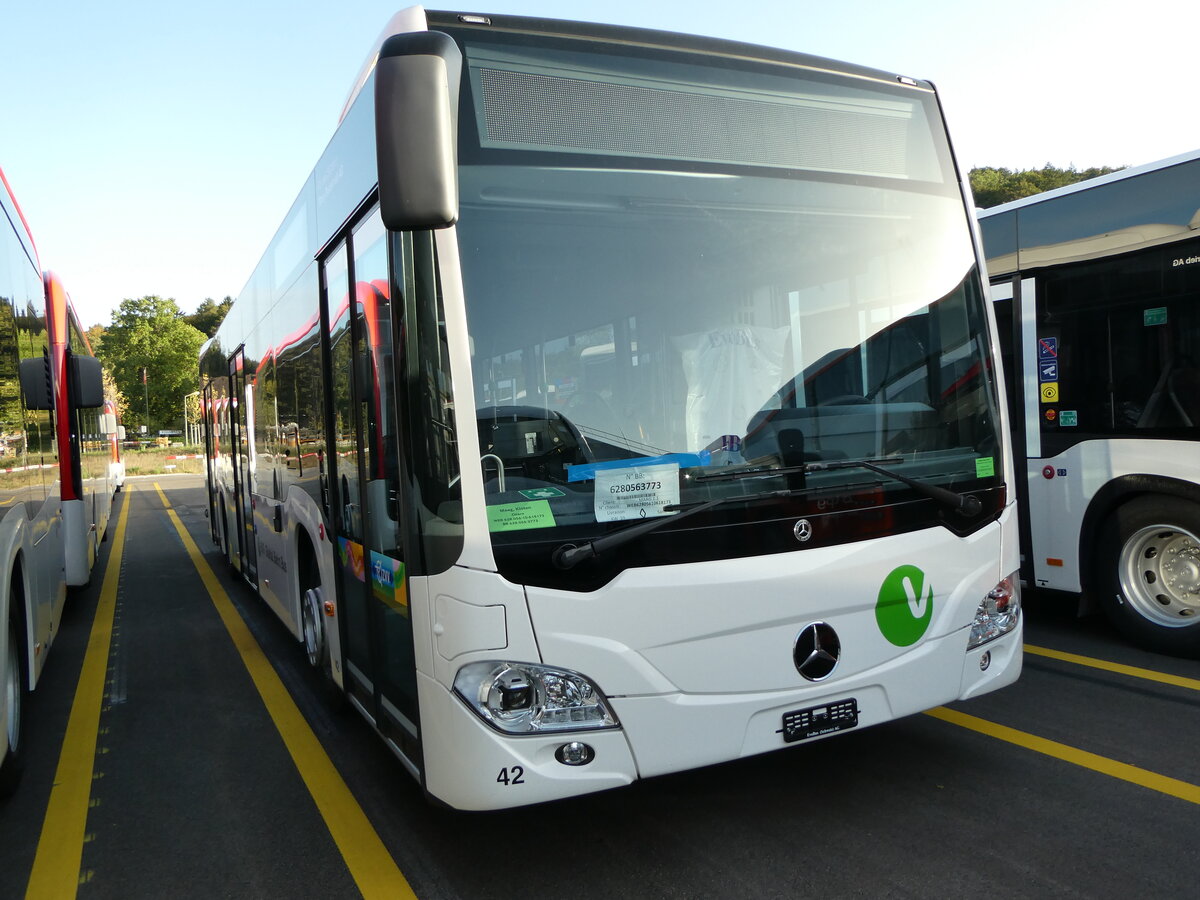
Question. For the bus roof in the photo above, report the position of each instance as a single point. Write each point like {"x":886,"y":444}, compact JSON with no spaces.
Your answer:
{"x":1145,"y":206}
{"x":414,"y":18}
{"x":19,"y":225}
{"x":1090,"y":184}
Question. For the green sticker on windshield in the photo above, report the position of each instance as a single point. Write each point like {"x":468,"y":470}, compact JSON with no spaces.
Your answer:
{"x":542,"y":493}
{"x":520,"y":516}
{"x":985,"y":467}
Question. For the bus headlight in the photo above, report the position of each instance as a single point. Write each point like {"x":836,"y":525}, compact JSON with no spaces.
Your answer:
{"x":998,"y":612}
{"x":526,"y":698}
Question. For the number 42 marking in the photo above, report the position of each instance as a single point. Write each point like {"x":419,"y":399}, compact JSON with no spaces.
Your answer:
{"x":515,"y":775}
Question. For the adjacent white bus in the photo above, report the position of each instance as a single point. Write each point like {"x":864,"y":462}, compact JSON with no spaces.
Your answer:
{"x":614,"y":402}
{"x":1097,"y":290}
{"x":58,"y":469}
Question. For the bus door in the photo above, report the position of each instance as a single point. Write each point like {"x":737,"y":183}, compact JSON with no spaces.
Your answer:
{"x":242,"y":550}
{"x":375,"y":621}
{"x":211,"y":448}
{"x":1013,"y":299}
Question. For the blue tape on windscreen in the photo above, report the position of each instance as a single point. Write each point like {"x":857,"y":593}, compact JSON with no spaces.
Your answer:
{"x":587,"y":471}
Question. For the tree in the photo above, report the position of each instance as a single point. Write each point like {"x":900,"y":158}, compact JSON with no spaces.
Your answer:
{"x":113,"y":393}
{"x":95,"y":337}
{"x":209,"y":315}
{"x":151,"y":351}
{"x":995,"y":186}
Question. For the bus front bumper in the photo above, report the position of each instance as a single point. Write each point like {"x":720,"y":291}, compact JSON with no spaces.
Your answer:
{"x":479,"y":768}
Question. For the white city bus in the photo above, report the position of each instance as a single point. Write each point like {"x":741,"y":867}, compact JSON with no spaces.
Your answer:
{"x":57,"y":472}
{"x":614,"y":402}
{"x":1097,"y":289}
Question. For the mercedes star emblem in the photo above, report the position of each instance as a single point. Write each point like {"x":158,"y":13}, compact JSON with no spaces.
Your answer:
{"x":817,"y":651}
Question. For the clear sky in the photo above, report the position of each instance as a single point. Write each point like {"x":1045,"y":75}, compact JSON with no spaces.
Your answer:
{"x":155,"y":145}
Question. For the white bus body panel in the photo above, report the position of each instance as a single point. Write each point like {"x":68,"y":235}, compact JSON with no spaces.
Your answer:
{"x":276,"y":559}
{"x":45,"y":576}
{"x":697,"y":659}
{"x":38,"y":542}
{"x":1062,"y":487}
{"x":79,"y":541}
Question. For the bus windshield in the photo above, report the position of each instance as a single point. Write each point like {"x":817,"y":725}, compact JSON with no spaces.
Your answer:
{"x":652,"y":309}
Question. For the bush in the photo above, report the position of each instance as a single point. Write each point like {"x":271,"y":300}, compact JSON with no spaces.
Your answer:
{"x":163,"y":460}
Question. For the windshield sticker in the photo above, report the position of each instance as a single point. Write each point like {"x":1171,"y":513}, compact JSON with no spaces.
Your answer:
{"x":520,"y":516}
{"x":905,"y":606}
{"x":387,"y":582}
{"x":542,"y":493}
{"x":636,"y":493}
{"x":985,"y":467}
{"x":588,"y":471}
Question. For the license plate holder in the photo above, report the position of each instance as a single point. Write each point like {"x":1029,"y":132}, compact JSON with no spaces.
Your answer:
{"x":815,"y":721}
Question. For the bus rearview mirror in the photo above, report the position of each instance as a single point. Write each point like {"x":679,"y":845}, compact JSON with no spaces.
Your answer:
{"x":87,"y":382}
{"x":416,"y":98}
{"x":35,"y":383}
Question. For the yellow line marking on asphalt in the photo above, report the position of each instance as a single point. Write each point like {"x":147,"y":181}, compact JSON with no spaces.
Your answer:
{"x":369,"y":862}
{"x":59,"y":855}
{"x":1102,"y":764}
{"x":1192,"y":684}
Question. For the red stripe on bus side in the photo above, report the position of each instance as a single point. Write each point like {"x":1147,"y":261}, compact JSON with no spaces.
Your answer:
{"x":56,"y":325}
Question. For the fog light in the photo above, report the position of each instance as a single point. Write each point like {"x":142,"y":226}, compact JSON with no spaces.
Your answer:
{"x":575,"y":753}
{"x":985,"y":660}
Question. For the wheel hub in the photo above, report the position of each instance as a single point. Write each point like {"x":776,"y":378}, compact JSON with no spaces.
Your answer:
{"x":1181,"y":568}
{"x":1160,"y":574}
{"x":314,"y":632}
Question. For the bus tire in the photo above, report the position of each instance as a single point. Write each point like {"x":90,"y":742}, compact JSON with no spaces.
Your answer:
{"x":312,"y":626}
{"x":312,"y":613}
{"x":14,"y":695}
{"x":1148,"y":573}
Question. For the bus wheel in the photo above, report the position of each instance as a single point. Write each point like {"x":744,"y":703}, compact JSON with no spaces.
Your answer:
{"x":311,"y":613}
{"x":14,"y":707}
{"x":1149,"y":556}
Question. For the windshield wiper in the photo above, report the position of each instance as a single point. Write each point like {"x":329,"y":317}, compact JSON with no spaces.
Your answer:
{"x":963,"y":504}
{"x":570,"y":555}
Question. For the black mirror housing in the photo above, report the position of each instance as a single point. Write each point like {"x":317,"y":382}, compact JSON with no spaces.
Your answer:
{"x":416,"y":100}
{"x":87,"y":382}
{"x":35,"y":383}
